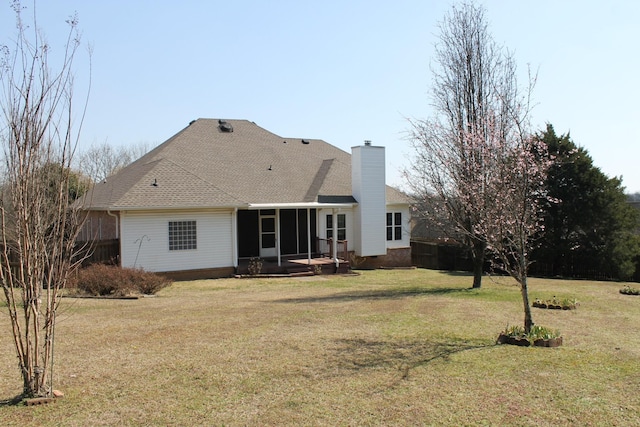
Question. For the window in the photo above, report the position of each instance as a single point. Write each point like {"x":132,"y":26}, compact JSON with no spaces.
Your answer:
{"x":342,"y":226}
{"x":182,"y":235}
{"x":394,"y":225}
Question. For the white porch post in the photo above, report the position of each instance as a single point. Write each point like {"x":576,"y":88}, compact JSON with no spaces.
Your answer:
{"x":234,"y":236}
{"x":309,"y":236}
{"x":335,"y":237}
{"x":278,"y":236}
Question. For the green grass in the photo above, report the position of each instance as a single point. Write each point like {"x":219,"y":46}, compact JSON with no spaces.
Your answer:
{"x":388,"y":347}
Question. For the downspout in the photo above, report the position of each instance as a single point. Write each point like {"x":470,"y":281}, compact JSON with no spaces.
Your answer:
{"x":117,"y":217}
{"x":234,"y":237}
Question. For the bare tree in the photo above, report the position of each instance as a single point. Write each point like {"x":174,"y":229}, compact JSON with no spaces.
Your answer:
{"x":474,"y":88}
{"x":102,"y":160}
{"x":39,"y":226}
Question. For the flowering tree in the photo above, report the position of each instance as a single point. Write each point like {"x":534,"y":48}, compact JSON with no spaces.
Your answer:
{"x":477,"y":169}
{"x":39,"y":226}
{"x":475,"y":92}
{"x":504,"y":183}
{"x":513,"y":220}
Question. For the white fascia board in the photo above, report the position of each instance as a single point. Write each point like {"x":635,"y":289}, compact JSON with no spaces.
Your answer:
{"x":300,"y":205}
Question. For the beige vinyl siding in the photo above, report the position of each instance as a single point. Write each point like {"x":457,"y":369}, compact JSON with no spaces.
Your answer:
{"x":145,"y":241}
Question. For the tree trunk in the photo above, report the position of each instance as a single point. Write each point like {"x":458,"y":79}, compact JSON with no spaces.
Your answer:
{"x":528,"y":319}
{"x":39,"y":224}
{"x":477,"y":253}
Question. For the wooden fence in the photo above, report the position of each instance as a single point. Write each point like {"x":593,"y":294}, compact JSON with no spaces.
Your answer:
{"x":105,"y":252}
{"x":440,"y":256}
{"x":443,"y":256}
{"x":100,"y":252}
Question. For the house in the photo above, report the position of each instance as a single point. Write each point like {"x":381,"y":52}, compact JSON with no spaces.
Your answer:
{"x":221,"y":192}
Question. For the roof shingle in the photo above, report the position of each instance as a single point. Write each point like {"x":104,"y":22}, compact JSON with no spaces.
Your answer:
{"x":204,"y":167}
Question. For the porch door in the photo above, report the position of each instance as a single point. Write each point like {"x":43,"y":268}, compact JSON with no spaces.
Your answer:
{"x":268,"y":234}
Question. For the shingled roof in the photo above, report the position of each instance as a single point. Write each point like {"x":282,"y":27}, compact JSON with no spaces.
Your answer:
{"x":234,"y":163}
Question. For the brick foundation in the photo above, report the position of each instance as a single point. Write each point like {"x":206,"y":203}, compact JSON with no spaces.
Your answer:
{"x":206,"y":273}
{"x":396,"y":257}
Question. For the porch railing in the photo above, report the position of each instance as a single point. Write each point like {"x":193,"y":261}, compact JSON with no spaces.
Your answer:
{"x":325,"y":247}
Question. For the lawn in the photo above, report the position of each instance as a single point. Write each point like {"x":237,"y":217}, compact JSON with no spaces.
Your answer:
{"x":386,"y":347}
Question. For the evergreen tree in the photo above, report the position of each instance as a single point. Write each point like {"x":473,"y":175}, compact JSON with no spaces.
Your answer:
{"x":591,"y":231}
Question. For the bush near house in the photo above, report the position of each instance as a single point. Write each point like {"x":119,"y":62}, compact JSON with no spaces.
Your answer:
{"x":107,"y":280}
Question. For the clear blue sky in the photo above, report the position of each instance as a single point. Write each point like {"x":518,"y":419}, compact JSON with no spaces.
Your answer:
{"x":342,"y":71}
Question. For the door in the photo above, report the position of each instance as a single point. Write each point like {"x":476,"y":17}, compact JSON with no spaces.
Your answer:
{"x":268,"y":234}
{"x":248,"y":234}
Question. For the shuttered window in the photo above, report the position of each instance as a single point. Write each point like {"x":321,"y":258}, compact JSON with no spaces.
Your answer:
{"x":394,"y":225}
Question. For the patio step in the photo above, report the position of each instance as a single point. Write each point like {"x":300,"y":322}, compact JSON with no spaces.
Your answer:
{"x":344,"y":267}
{"x":300,"y":269}
{"x":297,"y":268}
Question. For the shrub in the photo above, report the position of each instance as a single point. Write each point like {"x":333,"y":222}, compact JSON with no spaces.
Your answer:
{"x":255,"y":266}
{"x":102,"y":280}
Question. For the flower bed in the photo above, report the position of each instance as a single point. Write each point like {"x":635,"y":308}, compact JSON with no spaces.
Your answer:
{"x":539,"y":336}
{"x":628,"y":290}
{"x":556,"y":304}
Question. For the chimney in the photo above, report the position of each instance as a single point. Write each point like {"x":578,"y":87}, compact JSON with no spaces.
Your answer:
{"x":369,"y":189}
